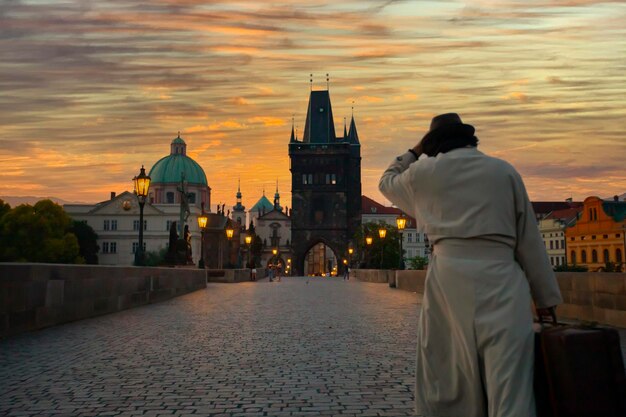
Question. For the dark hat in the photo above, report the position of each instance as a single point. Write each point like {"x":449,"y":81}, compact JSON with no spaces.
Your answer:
{"x":449,"y":123}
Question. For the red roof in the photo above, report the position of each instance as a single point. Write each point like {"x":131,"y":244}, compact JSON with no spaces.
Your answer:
{"x":565,"y":214}
{"x":369,"y":206}
{"x":545,"y":207}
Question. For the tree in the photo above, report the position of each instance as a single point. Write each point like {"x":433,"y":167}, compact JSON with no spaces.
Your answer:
{"x":87,"y":241}
{"x":38,"y":233}
{"x":256,"y":247}
{"x":4,"y":208}
{"x":387,"y":248}
{"x":418,"y":262}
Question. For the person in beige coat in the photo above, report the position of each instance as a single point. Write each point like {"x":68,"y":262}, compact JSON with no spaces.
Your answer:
{"x":475,"y":340}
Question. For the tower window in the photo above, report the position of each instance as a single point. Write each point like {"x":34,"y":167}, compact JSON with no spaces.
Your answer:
{"x":169,"y":197}
{"x":191,"y":197}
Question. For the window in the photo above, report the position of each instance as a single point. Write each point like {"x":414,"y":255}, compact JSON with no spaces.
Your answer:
{"x":572,"y":256}
{"x":551,"y":244}
{"x":191,"y":197}
{"x":109,"y":247}
{"x":169,"y":197}
{"x":136,"y":246}
{"x":618,"y":255}
{"x":552,"y":260}
{"x":618,"y":235}
{"x":605,"y":236}
{"x":107,"y":225}
{"x":593,"y":237}
{"x":136,"y":225}
{"x":333,"y":179}
{"x":594,"y":256}
{"x":583,"y":256}
{"x":605,"y":255}
{"x":409,"y":237}
{"x":113,"y":224}
{"x":310,"y":178}
{"x":571,"y":238}
{"x":327,"y":178}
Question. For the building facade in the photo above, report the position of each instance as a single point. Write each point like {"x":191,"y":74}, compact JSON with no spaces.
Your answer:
{"x":326,"y":189}
{"x":116,"y":221}
{"x":414,"y":242}
{"x":552,"y":228}
{"x":597,"y":238}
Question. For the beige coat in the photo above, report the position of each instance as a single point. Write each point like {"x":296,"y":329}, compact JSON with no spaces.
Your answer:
{"x":475,"y":340}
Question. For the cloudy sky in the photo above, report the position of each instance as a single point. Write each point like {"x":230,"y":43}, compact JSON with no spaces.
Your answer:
{"x":91,"y":90}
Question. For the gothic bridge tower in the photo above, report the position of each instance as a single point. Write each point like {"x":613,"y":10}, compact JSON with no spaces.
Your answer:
{"x":326,"y":189}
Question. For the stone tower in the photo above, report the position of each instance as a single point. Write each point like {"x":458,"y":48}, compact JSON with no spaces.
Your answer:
{"x":326,"y":188}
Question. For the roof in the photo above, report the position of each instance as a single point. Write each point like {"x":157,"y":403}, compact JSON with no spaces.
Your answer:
{"x":615,"y":209}
{"x":543,"y":208}
{"x":319,"y":126}
{"x":566,"y":215}
{"x":371,"y":207}
{"x":168,"y":170}
{"x":263,"y":205}
{"x":353,"y":136}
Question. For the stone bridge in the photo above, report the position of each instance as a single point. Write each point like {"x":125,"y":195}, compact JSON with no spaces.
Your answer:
{"x":299,"y":347}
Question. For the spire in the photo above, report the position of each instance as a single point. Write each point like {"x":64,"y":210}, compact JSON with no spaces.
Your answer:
{"x":319,"y":127}
{"x":239,"y":189}
{"x":238,"y":206}
{"x":353,"y":136}
{"x":293,"y":132}
{"x":277,"y":206}
{"x":345,"y":132}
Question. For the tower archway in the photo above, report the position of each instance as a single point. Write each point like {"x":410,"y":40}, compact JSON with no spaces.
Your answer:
{"x":320,"y":260}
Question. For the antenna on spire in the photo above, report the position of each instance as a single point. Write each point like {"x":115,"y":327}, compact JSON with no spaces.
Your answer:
{"x":239,"y":184}
{"x":276,"y":184}
{"x":327,"y":82}
{"x":311,"y":81}
{"x":352,"y":108}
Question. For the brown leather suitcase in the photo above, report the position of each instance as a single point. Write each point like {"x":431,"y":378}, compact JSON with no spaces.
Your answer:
{"x":579,"y":372}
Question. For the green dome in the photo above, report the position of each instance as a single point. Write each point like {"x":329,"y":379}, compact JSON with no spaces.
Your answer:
{"x":168,"y":169}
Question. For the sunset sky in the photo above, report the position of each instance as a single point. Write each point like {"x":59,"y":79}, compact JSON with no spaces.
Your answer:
{"x":91,"y":90}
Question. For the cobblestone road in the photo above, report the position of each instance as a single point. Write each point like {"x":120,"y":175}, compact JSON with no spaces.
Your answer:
{"x":286,"y":348}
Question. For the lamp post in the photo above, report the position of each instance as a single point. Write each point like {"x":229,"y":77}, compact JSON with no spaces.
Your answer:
{"x":142,"y":185}
{"x":368,"y":243}
{"x":249,"y":245}
{"x":229,"y":235}
{"x":401,"y":223}
{"x":350,"y":252}
{"x":289,"y":266}
{"x":202,"y":221}
{"x":382,"y":232}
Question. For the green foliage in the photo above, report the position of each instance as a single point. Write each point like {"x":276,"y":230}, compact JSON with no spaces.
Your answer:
{"x":418,"y":262}
{"x":571,"y":268}
{"x":386,"y":250}
{"x":155,"y":258}
{"x":4,"y":208}
{"x":38,"y":233}
{"x":87,"y":241}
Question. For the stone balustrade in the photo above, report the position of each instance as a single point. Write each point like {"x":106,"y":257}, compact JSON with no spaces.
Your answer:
{"x":587,"y":296}
{"x":34,"y":296}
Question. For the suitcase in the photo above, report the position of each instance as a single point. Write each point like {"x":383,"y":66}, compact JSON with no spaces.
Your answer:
{"x":579,"y":372}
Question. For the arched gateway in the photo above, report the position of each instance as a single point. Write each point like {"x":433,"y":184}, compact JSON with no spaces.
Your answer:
{"x":326,"y":186}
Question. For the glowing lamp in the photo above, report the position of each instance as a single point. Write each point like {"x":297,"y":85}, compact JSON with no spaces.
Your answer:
{"x":382,"y":233}
{"x":230,"y":232}
{"x":202,"y":220}
{"x":401,"y":222}
{"x":369,"y":240}
{"x":350,"y":251}
{"x":248,"y":239}
{"x":142,"y":183}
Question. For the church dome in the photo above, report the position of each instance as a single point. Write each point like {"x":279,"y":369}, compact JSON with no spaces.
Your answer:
{"x":169,"y":168}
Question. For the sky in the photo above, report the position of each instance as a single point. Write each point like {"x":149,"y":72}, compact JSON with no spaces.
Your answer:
{"x":91,"y":90}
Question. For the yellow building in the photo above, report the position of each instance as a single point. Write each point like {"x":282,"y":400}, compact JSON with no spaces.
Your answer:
{"x":597,"y":238}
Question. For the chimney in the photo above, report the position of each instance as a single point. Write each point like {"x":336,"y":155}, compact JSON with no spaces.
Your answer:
{"x":112,"y":195}
{"x":616,"y":198}
{"x":569,"y":200}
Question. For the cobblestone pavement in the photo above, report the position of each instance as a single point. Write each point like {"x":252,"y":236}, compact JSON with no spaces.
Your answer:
{"x":291,"y":348}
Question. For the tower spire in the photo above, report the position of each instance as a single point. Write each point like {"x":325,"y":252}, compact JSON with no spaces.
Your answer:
{"x":345,"y":132}
{"x":311,"y":81}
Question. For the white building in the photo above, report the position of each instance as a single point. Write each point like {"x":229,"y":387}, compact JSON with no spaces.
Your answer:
{"x":116,"y":221}
{"x":552,"y":228}
{"x":414,"y":243}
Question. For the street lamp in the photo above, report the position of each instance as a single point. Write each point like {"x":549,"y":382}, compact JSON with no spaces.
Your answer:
{"x":401,"y":223}
{"x":142,"y":185}
{"x":202,"y":221}
{"x":350,"y":252}
{"x":249,"y":245}
{"x":229,"y":232}
{"x":369,"y":240}
{"x":382,"y":232}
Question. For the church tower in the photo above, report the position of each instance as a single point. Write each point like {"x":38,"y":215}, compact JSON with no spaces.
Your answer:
{"x":239,"y":210}
{"x":326,"y":189}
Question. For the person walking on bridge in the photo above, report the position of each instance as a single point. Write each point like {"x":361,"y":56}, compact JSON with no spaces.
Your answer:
{"x":475,"y":350}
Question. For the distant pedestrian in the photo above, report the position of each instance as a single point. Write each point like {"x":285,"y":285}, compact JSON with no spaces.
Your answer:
{"x":475,"y":338}
{"x":253,"y":274}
